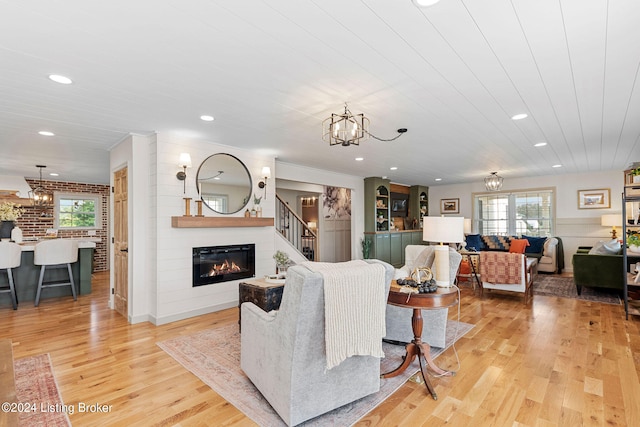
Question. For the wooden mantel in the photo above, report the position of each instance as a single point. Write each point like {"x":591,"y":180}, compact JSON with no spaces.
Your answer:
{"x":217,"y":222}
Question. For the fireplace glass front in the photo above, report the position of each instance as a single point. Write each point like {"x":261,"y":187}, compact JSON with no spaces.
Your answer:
{"x":215,"y":264}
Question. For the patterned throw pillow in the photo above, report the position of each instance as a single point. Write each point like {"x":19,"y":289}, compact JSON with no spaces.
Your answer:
{"x":497,"y":243}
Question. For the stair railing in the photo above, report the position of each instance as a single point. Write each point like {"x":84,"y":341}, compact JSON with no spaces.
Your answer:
{"x":291,"y":226}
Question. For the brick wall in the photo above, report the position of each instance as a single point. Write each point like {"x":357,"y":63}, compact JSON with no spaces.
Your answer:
{"x":34,"y":225}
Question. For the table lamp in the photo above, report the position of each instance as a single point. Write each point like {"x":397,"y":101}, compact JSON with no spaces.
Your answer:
{"x":611,"y":220}
{"x":441,"y":229}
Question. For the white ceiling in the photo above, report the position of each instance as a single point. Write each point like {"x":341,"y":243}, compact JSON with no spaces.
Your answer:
{"x":271,"y":71}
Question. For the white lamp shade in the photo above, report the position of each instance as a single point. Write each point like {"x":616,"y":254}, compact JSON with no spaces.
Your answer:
{"x":443,"y":229}
{"x":467,"y":226}
{"x":312,"y":225}
{"x":266,"y":172}
{"x":611,"y":220}
{"x":185,"y":160}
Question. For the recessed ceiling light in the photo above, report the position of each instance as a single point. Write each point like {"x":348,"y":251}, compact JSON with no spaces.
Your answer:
{"x":519,"y":116}
{"x":438,"y":179}
{"x":556,"y":166}
{"x":60,"y":79}
{"x":540,"y":144}
{"x":46,"y":133}
{"x":206,"y":118}
{"x":393,"y":168}
{"x":54,"y":174}
{"x":384,"y":177}
{"x":359,"y":159}
{"x":425,"y":3}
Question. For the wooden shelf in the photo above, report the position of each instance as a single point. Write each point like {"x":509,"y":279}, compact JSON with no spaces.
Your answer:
{"x":218,"y":222}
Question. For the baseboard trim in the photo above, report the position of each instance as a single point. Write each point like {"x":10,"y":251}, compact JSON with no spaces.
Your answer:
{"x":192,"y":313}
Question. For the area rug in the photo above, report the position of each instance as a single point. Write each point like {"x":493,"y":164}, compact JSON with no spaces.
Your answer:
{"x":36,"y":385}
{"x":565,"y":288}
{"x":218,"y":366}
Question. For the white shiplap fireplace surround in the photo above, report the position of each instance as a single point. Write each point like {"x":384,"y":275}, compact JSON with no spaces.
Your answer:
{"x":160,"y":255}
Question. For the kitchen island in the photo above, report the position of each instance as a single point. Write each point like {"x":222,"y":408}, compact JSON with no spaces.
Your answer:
{"x":26,"y":276}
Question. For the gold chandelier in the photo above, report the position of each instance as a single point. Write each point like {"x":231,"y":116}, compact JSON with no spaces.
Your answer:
{"x":40,"y":197}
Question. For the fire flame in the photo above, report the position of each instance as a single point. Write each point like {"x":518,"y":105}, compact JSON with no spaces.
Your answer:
{"x":225,"y":268}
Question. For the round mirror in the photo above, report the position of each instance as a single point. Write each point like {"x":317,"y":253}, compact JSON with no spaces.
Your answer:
{"x":224,"y":183}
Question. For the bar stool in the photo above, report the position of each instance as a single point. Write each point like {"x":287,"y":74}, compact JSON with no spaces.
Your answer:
{"x":55,"y":253}
{"x":10,"y":254}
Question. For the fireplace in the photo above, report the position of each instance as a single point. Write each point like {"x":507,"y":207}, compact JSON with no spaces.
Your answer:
{"x":215,"y":264}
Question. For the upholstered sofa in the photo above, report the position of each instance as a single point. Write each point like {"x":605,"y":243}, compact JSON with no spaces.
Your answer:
{"x":398,"y":319}
{"x":597,"y":270}
{"x":548,"y":250}
{"x":284,"y":352}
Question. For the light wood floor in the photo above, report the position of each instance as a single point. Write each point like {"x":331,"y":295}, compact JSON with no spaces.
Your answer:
{"x":554,"y":362}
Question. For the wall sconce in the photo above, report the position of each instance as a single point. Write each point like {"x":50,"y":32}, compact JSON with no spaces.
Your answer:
{"x":266,"y":172}
{"x":185,"y":162}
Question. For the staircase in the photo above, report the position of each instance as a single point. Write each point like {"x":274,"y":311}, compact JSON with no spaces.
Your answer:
{"x":295,"y":230}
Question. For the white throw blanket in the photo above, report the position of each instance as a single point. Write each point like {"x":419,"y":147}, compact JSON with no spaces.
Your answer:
{"x":354,"y":308}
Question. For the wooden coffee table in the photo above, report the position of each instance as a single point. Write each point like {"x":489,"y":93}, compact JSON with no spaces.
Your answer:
{"x":442,"y":298}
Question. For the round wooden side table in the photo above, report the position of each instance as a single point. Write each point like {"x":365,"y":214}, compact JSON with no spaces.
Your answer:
{"x":442,"y":298}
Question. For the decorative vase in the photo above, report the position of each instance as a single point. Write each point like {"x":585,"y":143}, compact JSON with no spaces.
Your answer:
{"x":636,"y":179}
{"x":282,"y":269}
{"x":634,"y":249}
{"x":5,"y":229}
{"x":16,"y":235}
{"x":258,"y":211}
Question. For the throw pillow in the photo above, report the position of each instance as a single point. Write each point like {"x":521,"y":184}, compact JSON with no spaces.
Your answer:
{"x":536,"y":244}
{"x":474,"y":242}
{"x":496,"y":243}
{"x":611,"y":247}
{"x":424,"y":258}
{"x":518,"y":246}
{"x":465,"y":267}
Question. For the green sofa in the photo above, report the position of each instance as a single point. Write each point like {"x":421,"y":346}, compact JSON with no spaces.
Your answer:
{"x":597,"y":271}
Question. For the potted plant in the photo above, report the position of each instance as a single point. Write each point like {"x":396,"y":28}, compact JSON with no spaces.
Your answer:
{"x":256,"y":203}
{"x":9,"y":213}
{"x":633,"y":242}
{"x":366,"y":248}
{"x":282,"y":261}
{"x":635,"y":172}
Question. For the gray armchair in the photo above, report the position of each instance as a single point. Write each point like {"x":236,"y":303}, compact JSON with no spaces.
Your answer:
{"x":398,"y":319}
{"x":283,"y":352}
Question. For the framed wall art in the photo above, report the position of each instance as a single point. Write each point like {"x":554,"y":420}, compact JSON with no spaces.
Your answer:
{"x":594,"y":199}
{"x":449,"y":206}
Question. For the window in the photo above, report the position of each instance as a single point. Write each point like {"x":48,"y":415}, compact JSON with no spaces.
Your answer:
{"x":529,"y":212}
{"x":217,"y":202}
{"x":77,"y":211}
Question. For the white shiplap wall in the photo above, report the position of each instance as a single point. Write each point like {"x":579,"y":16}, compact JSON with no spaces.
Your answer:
{"x":176,"y":298}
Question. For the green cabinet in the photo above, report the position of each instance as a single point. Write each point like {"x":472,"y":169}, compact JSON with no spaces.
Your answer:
{"x":418,"y":203}
{"x":397,"y":250}
{"x":376,"y":204}
{"x":382,"y":247}
{"x":390,"y":246}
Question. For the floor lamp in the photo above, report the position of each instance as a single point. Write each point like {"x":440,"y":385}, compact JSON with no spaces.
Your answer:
{"x":442,"y":229}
